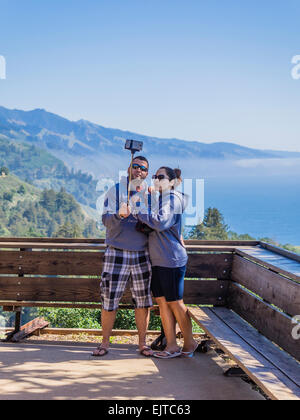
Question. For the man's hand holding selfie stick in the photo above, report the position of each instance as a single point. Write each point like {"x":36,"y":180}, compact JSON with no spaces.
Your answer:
{"x":125,"y":210}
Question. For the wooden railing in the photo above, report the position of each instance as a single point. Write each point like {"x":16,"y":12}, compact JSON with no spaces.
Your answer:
{"x":66,"y":273}
{"x":59,"y":270}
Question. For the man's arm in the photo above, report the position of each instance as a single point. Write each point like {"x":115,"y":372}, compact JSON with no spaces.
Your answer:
{"x":113,"y":212}
{"x":110,"y":208}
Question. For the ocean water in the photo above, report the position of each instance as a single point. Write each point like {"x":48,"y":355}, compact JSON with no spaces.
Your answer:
{"x":266,"y":206}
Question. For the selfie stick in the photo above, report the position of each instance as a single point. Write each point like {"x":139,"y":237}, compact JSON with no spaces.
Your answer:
{"x":133,"y":146}
{"x":129,"y":183}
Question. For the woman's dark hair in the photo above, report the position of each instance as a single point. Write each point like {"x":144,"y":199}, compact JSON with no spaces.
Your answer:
{"x":173,"y":174}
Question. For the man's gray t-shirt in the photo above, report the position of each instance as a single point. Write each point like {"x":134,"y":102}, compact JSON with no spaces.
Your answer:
{"x":121,"y":233}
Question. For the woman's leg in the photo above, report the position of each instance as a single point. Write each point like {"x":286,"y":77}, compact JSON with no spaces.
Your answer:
{"x":182,"y":316}
{"x":169,"y":324}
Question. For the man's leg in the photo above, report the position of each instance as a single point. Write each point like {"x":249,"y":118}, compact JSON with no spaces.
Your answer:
{"x":107,"y":321}
{"x":113,"y":282}
{"x":140,"y":281}
{"x":142,"y":317}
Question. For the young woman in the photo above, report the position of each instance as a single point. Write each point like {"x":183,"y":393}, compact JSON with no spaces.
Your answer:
{"x":168,"y":257}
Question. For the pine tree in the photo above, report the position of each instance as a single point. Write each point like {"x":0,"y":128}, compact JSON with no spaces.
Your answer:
{"x":4,"y":170}
{"x":68,"y":230}
{"x":213,"y":227}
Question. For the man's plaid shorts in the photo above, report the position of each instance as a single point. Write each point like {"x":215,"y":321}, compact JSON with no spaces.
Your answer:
{"x":119,"y":267}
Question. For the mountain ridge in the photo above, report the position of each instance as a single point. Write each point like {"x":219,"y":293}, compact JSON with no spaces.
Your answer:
{"x":83,"y":145}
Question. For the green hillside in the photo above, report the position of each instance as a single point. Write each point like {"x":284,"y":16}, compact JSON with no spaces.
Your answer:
{"x":38,"y":167}
{"x":12,"y":182}
{"x":26,"y":211}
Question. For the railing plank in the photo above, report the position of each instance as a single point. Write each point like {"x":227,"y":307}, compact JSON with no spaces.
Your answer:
{"x":270,"y":322}
{"x":50,"y":263}
{"x":102,"y":240}
{"x":200,"y":265}
{"x":12,"y":305}
{"x":209,"y":265}
{"x":53,"y":246}
{"x":277,"y":263}
{"x":220,"y":242}
{"x":53,"y":240}
{"x":272,"y":287}
{"x":50,"y":289}
{"x":205,"y":292}
{"x":281,"y":251}
{"x":101,"y":246}
{"x":66,"y":289}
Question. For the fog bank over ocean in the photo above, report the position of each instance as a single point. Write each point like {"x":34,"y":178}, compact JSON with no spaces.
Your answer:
{"x":207,"y":168}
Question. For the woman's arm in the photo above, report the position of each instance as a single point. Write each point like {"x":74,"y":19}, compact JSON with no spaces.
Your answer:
{"x":164,"y":217}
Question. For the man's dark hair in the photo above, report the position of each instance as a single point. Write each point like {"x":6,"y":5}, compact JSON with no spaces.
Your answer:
{"x":141,"y":158}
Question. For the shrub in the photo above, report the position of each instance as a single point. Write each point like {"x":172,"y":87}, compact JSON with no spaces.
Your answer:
{"x":90,"y":318}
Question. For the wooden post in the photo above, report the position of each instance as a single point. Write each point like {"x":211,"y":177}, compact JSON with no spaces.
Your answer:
{"x":18,"y":317}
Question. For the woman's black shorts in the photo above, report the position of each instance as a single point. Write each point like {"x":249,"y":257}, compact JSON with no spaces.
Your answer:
{"x":168,"y":282}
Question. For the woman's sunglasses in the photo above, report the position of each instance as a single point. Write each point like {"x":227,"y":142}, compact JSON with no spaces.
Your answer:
{"x":141,"y":167}
{"x":159,"y":177}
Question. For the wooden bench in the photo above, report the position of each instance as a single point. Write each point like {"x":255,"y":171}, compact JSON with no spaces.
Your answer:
{"x":273,"y":370}
{"x":238,"y":295}
{"x":255,"y":328}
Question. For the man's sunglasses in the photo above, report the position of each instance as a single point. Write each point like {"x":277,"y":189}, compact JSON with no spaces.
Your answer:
{"x":141,"y":167}
{"x":159,"y":177}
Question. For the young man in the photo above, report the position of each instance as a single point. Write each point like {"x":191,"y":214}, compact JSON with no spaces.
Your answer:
{"x":126,"y":257}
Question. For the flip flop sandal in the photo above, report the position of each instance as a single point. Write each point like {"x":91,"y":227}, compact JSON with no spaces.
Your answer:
{"x":168,"y":355}
{"x":189,"y":353}
{"x":145,"y":350}
{"x":100,"y":349}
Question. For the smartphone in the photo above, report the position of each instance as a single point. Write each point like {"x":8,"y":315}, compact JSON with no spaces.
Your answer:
{"x":134,"y":145}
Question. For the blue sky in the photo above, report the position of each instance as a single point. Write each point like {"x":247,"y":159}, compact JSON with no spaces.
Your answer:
{"x":217,"y":70}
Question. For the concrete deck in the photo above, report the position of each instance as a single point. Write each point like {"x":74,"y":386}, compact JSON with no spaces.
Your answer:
{"x":67,"y":371}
